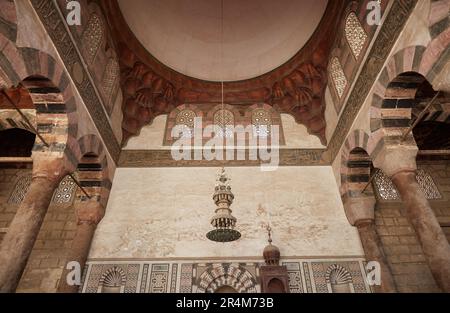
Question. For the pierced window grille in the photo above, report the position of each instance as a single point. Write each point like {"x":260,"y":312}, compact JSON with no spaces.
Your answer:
{"x":186,"y":118}
{"x":355,"y":34}
{"x":92,"y":37}
{"x":262,"y":122}
{"x":338,"y":76}
{"x":20,"y":189}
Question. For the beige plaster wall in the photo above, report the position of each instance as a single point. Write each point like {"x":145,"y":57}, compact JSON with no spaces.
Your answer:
{"x":165,"y":213}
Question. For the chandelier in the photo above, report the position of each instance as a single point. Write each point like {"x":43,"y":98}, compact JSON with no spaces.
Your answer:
{"x":223,"y":222}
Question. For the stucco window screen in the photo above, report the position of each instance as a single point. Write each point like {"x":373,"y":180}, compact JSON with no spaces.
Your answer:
{"x":262,"y":122}
{"x":92,"y":37}
{"x":186,"y":118}
{"x":355,"y":34}
{"x":338,"y":76}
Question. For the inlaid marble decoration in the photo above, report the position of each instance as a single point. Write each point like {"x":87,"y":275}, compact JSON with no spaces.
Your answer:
{"x":20,"y":189}
{"x":65,"y":191}
{"x":305,"y":276}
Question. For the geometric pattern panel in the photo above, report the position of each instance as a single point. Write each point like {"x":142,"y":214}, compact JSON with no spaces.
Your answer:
{"x":355,"y":34}
{"x":186,"y":117}
{"x":186,"y":278}
{"x":323,"y":273}
{"x":65,"y":191}
{"x":224,"y":118}
{"x":92,"y":37}
{"x":295,"y":277}
{"x":385,"y":187}
{"x":159,"y":278}
{"x":428,"y":185}
{"x":109,"y":77}
{"x":20,"y":189}
{"x":338,"y":76}
{"x":261,"y":121}
{"x":305,"y":276}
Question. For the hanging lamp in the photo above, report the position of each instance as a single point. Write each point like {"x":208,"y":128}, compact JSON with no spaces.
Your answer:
{"x":223,"y":221}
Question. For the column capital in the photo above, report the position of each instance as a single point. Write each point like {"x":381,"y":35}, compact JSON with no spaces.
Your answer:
{"x":89,"y":212}
{"x":396,"y":158}
{"x":359,"y":208}
{"x":48,"y":167}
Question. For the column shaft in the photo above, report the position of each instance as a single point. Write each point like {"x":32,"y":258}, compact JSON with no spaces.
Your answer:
{"x":434,"y":243}
{"x":18,"y":242}
{"x":78,"y":253}
{"x":374,"y":252}
{"x":89,"y":214}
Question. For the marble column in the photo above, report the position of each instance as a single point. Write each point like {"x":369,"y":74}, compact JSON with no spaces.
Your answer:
{"x":18,"y":242}
{"x":89,"y":214}
{"x":399,"y":163}
{"x":360,"y":213}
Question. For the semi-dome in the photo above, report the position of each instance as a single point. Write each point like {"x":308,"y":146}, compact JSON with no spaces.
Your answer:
{"x":257,"y":36}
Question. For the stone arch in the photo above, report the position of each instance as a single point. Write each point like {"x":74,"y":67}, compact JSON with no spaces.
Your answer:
{"x":92,"y":161}
{"x":355,"y":163}
{"x":8,"y":15}
{"x":356,"y":168}
{"x":9,"y":117}
{"x":439,"y":12}
{"x":414,"y":59}
{"x":51,"y":93}
{"x":233,"y":275}
{"x":391,"y":108}
{"x":437,"y":55}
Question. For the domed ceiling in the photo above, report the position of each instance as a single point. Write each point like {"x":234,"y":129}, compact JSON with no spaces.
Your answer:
{"x":274,"y":52}
{"x":253,"y":38}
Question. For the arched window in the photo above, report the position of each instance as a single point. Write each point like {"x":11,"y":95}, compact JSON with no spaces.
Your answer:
{"x":113,"y":281}
{"x":355,"y":34}
{"x":338,"y":76}
{"x":186,"y":118}
{"x":20,"y":189}
{"x":224,"y":119}
{"x":92,"y":37}
{"x":262,"y":122}
{"x":339,"y":279}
